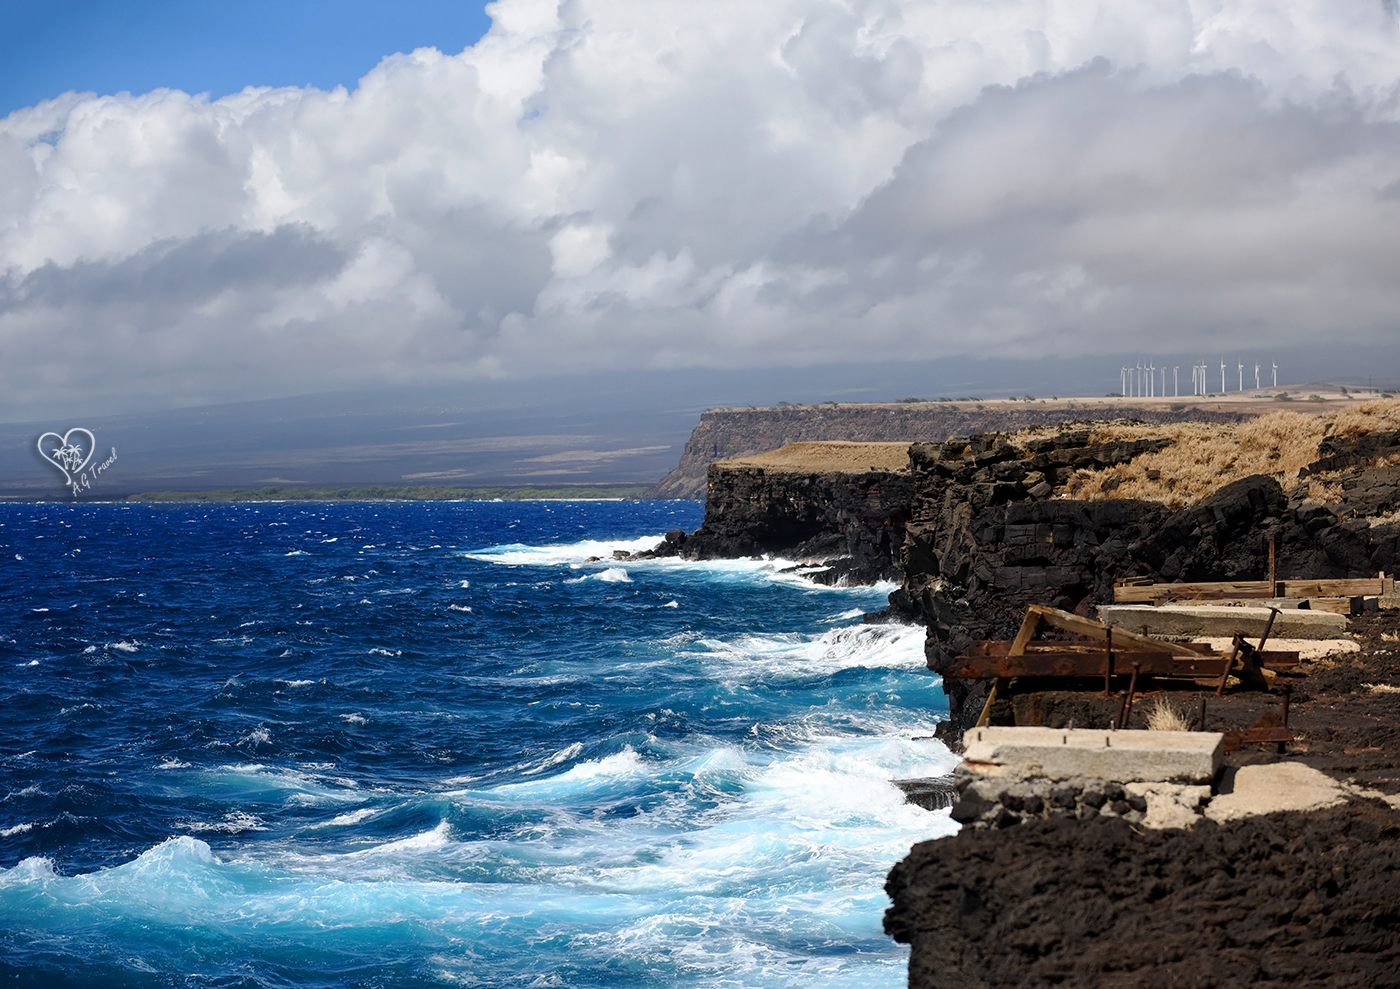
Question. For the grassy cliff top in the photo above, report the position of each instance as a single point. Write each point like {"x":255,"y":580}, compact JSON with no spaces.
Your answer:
{"x":829,"y":457}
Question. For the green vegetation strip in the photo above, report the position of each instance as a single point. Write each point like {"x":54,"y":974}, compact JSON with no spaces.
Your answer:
{"x":379,"y":492}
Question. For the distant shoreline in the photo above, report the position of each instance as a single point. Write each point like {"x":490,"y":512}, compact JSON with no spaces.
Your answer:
{"x":629,"y":492}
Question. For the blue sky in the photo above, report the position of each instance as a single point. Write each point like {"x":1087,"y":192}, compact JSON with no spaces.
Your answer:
{"x":48,"y":47}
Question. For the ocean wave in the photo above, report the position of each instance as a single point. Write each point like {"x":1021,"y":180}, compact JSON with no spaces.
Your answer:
{"x":889,"y":646}
{"x":520,"y":554}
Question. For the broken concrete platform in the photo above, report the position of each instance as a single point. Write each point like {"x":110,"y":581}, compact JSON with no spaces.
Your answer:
{"x":1190,"y":621}
{"x":1067,"y":753}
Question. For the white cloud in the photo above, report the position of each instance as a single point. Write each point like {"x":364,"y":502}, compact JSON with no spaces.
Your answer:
{"x":641,"y":183}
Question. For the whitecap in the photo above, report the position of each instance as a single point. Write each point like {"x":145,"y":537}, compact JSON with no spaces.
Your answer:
{"x":297,"y":552}
{"x":352,"y":817}
{"x":17,"y":829}
{"x":671,"y":604}
{"x":354,"y":719}
{"x":518,"y":554}
{"x":296,"y":683}
{"x":173,"y":764}
{"x":613,"y":575}
{"x":385,"y":652}
{"x":454,"y":607}
{"x":234,"y":822}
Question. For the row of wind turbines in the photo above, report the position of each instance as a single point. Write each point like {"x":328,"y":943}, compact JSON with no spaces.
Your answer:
{"x":1141,"y":381}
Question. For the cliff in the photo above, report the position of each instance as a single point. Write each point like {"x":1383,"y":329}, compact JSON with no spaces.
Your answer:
{"x":736,"y":433}
{"x":839,"y":504}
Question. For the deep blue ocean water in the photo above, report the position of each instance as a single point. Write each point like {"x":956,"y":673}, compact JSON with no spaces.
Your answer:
{"x":427,"y":744}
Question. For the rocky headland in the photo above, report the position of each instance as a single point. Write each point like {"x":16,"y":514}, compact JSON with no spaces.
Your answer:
{"x":730,"y":434}
{"x":974,"y":528}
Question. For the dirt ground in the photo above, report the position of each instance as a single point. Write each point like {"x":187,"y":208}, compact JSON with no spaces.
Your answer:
{"x":1296,"y":899}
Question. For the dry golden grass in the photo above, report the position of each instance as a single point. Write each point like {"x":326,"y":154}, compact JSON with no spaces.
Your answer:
{"x":1368,"y":417}
{"x":1204,"y":457}
{"x":1164,"y":716}
{"x":839,"y":456}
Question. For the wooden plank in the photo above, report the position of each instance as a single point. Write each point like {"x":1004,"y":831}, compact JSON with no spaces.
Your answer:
{"x":1370,"y":586}
{"x":1027,"y":629}
{"x":1067,"y":664}
{"x":1123,"y":640}
{"x":1139,"y":593}
{"x":1337,"y":606}
{"x":1151,"y":593}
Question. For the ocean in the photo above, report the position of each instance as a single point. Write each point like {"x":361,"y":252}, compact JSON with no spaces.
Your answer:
{"x":431,"y":744}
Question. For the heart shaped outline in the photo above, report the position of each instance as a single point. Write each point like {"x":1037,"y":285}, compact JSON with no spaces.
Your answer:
{"x":55,"y":456}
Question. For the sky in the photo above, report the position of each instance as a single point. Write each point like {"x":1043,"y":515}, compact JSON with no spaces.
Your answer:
{"x":224,"y":202}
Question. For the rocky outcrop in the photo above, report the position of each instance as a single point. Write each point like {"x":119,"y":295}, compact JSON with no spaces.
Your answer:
{"x":850,"y":521}
{"x":730,"y":433}
{"x":1286,"y":899}
{"x":986,"y":537}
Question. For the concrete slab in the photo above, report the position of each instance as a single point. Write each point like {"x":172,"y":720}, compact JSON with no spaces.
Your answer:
{"x":1125,"y":756}
{"x":1171,"y":805}
{"x":1308,"y":649}
{"x":1279,"y":786}
{"x":1193,"y":621}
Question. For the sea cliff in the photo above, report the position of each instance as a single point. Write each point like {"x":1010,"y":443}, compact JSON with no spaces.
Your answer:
{"x":975,"y":528}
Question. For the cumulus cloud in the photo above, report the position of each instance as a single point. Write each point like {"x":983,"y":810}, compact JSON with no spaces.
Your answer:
{"x":650,"y":183}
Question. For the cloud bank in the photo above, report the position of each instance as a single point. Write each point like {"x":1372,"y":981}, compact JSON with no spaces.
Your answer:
{"x":652,"y":183}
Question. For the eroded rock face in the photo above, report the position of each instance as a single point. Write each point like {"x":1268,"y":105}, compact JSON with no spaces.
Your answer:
{"x":985,"y":538}
{"x":853,"y":520}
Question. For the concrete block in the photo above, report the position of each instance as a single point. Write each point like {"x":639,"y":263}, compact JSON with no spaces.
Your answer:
{"x":1125,"y":756}
{"x":1193,"y":621}
{"x":1268,"y":788}
{"x":1307,"y":649}
{"x":1171,"y":805}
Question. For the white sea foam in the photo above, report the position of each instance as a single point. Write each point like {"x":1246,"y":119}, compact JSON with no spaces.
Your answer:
{"x":850,"y":647}
{"x":518,"y":554}
{"x":563,"y":755}
{"x":351,"y":817}
{"x":297,"y":552}
{"x":376,"y":651}
{"x":354,"y":719}
{"x":671,"y":604}
{"x":17,"y":829}
{"x":173,"y":764}
{"x":296,"y":683}
{"x":235,"y":822}
{"x":457,"y":607}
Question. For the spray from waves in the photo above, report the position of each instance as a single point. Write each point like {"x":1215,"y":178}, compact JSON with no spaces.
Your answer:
{"x":742,"y":864}
{"x":772,"y":569}
{"x":519,"y":554}
{"x":888,"y":646}
{"x":612,"y":575}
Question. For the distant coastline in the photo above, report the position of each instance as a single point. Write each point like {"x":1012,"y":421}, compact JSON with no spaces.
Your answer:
{"x":378,"y":492}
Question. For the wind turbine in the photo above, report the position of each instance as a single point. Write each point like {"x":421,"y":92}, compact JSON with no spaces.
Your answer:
{"x":1176,"y":381}
{"x":1222,"y":377}
{"x":1275,"y":374}
{"x":1256,"y":377}
{"x":1241,"y":375}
